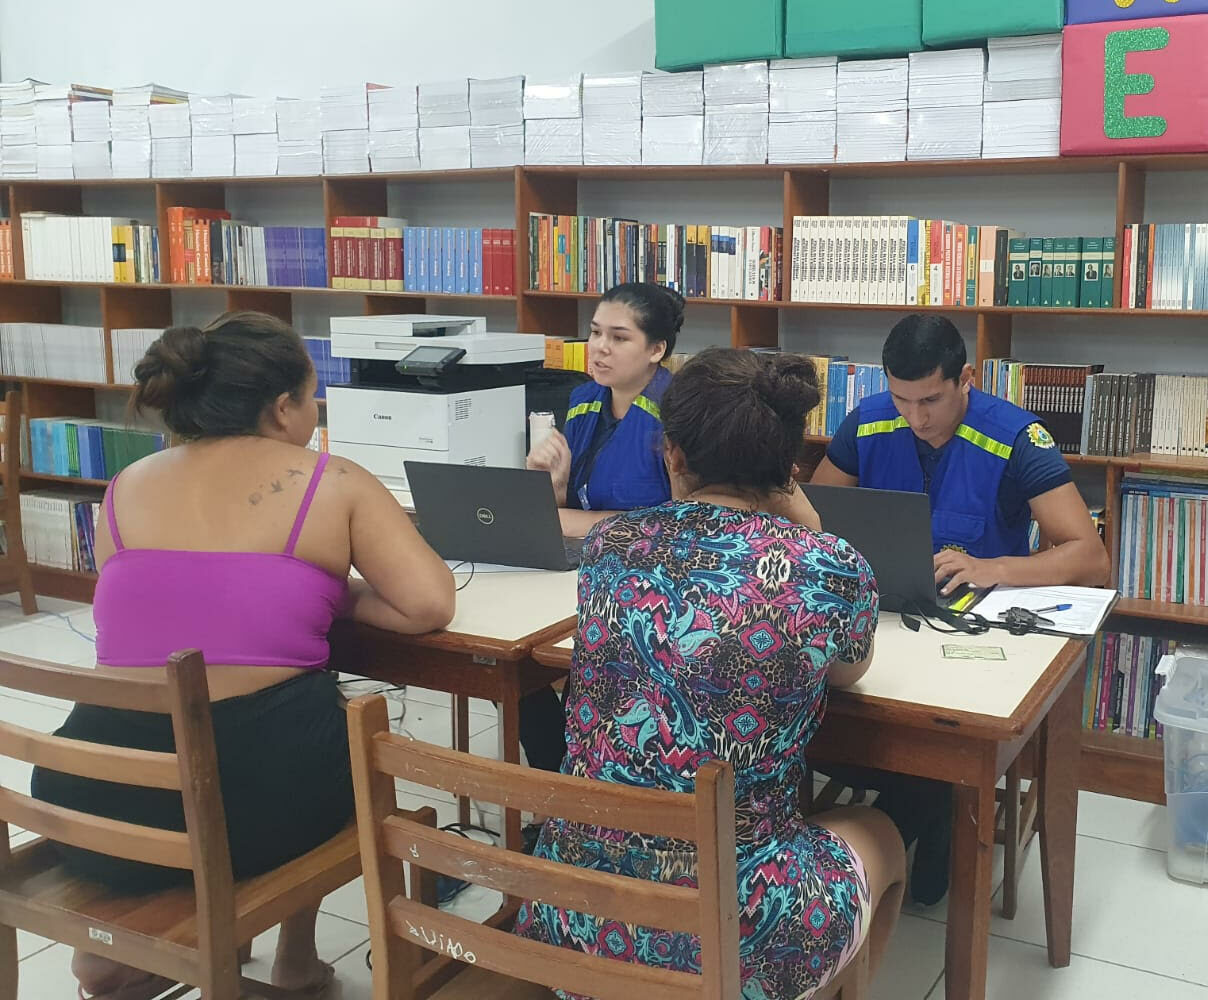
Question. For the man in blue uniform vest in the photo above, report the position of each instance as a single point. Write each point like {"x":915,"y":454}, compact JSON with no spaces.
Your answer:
{"x":990,"y":468}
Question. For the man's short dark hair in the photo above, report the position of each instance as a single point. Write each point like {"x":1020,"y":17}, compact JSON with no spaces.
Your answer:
{"x":919,"y":345}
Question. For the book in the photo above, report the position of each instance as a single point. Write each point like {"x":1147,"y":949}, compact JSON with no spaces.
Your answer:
{"x":592,"y":254}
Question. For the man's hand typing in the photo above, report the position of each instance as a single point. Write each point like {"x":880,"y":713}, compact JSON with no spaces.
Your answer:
{"x":959,"y":567}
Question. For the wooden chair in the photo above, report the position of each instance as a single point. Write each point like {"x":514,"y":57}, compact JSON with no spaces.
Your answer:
{"x":481,"y":961}
{"x":192,"y":936}
{"x":1014,"y":820}
{"x":1015,"y":825}
{"x":14,"y":566}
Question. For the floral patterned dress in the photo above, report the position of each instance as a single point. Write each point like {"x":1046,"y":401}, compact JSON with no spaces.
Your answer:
{"x":704,"y":633}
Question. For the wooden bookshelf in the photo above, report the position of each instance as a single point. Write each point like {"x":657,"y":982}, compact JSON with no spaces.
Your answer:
{"x":1126,"y":766}
{"x":1114,"y":764}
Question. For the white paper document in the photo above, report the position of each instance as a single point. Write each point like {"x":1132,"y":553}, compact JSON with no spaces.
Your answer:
{"x":1088,"y":606}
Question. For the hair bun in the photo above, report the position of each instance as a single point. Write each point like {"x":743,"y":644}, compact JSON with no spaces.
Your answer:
{"x":788,"y":384}
{"x":677,"y":308}
{"x":177,"y":359}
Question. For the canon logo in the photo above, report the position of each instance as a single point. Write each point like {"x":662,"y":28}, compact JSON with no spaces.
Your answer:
{"x":382,"y":416}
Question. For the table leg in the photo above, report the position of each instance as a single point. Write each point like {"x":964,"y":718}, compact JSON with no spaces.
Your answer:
{"x":1058,"y":776}
{"x":971,"y":887}
{"x":510,"y":705}
{"x":461,"y":741}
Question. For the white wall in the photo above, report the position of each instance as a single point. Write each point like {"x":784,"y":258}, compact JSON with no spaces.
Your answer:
{"x":290,"y":47}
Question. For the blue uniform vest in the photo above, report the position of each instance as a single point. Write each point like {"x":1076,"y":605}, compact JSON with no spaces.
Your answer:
{"x":964,"y":490}
{"x":628,"y":472}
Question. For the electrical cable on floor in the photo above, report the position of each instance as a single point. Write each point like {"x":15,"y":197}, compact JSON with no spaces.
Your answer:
{"x":57,"y":614}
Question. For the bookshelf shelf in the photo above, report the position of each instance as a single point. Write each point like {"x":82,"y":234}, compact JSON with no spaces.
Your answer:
{"x":1186,"y":614}
{"x":534,"y":293}
{"x":262,"y":289}
{"x":1116,"y":764}
{"x":42,"y":477}
{"x":1113,"y":764}
{"x":770,"y":171}
{"x":63,"y":383}
{"x":67,"y":584}
{"x":1163,"y":463}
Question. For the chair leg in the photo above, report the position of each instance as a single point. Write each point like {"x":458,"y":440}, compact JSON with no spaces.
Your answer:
{"x":8,"y":963}
{"x":25,"y":583}
{"x":1010,"y":882}
{"x":461,"y":741}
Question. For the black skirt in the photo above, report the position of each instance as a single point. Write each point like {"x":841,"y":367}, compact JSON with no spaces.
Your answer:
{"x":283,"y":768}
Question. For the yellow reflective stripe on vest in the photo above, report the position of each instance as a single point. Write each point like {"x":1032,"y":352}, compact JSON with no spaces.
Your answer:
{"x":979,"y":439}
{"x":650,"y":406}
{"x":582,"y":409}
{"x":881,"y":427}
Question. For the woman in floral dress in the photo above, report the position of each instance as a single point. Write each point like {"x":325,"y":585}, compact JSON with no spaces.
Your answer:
{"x":710,"y":628}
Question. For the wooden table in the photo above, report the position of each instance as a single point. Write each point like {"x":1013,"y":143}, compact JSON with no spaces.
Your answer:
{"x":965,"y":721}
{"x":486,"y":652}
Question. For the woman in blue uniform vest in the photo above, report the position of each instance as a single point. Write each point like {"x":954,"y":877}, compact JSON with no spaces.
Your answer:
{"x":611,"y":457}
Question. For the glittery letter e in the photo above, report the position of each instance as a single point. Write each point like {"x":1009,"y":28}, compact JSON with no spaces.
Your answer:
{"x":1118,"y":83}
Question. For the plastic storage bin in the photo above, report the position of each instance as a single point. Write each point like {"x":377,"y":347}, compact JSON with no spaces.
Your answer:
{"x":1182,"y":708}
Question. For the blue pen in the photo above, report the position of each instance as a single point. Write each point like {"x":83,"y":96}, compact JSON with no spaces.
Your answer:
{"x":1055,"y":607}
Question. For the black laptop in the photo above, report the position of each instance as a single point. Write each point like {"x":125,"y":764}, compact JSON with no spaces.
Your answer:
{"x":509,"y":517}
{"x":892,"y":531}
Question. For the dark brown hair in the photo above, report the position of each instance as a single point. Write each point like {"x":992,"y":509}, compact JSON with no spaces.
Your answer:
{"x":217,"y":382}
{"x":739,"y":416}
{"x":659,"y":310}
{"x":918,"y":346}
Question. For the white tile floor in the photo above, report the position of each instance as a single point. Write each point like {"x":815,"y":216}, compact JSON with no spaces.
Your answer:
{"x":1136,"y":932}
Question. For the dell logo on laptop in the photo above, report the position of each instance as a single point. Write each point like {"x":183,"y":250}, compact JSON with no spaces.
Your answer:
{"x":485,"y":515}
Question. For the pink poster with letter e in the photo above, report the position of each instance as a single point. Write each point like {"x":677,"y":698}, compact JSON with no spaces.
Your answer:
{"x":1135,"y":86}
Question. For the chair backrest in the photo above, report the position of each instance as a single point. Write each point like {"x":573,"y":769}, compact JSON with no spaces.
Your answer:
{"x":389,"y":837}
{"x":191,"y":770}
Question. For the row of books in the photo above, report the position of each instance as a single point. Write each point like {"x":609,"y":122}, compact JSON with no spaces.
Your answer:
{"x":59,"y":529}
{"x":1070,"y":272}
{"x":128,"y":347}
{"x":1165,"y":266}
{"x":207,"y":247}
{"x":1057,"y":394}
{"x":1161,"y":414}
{"x":579,"y":253}
{"x":87,"y":449}
{"x":89,"y":248}
{"x":900,"y":260}
{"x":328,"y":370}
{"x":1122,"y":685}
{"x":375,"y":253}
{"x":7,"y":270}
{"x":53,"y":350}
{"x":564,"y":354}
{"x":842,"y":384}
{"x":1090,"y":412}
{"x":1164,"y":538}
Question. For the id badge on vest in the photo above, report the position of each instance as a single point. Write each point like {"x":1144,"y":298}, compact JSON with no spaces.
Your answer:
{"x":584,"y":502}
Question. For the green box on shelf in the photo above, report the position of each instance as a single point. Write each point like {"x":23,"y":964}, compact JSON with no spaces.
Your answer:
{"x":826,"y":28}
{"x":953,"y":22}
{"x":690,"y":33}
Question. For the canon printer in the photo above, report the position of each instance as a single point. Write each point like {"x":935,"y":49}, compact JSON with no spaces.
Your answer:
{"x":430,"y":389}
